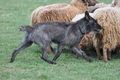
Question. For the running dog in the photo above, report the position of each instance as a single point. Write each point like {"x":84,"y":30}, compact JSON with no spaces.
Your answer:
{"x":63,"y":33}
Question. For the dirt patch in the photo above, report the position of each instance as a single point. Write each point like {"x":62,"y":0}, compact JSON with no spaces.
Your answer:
{"x":19,"y":69}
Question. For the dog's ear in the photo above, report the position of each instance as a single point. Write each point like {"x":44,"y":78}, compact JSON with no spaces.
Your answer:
{"x":87,"y":16}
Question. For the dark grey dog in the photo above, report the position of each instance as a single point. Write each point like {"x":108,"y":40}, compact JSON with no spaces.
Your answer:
{"x":63,"y":33}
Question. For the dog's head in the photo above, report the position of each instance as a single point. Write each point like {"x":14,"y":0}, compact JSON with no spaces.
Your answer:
{"x":91,"y":24}
{"x":26,"y":28}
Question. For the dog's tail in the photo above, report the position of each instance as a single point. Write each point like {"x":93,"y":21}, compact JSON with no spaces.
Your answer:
{"x":26,"y":28}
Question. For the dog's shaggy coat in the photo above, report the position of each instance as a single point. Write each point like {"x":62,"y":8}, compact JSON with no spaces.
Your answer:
{"x":63,"y":33}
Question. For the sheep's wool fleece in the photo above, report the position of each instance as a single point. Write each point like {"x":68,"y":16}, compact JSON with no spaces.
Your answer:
{"x":35,"y":14}
{"x":64,"y":14}
{"x":109,"y":19}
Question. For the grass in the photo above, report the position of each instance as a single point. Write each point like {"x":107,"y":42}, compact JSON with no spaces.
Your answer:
{"x":28,"y":65}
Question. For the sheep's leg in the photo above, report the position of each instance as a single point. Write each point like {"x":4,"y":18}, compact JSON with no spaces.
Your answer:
{"x":50,"y":51}
{"x":23,"y":46}
{"x":81,"y":53}
{"x":109,"y":55}
{"x":98,"y":52}
{"x":58,"y":51}
{"x":118,"y":51}
{"x":77,"y":55}
{"x":105,"y":54}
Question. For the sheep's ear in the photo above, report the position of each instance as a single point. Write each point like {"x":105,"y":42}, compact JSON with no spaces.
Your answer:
{"x":87,"y":16}
{"x":84,"y":1}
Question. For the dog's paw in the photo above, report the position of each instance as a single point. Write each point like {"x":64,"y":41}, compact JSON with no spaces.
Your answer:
{"x":90,"y":60}
{"x":53,"y":62}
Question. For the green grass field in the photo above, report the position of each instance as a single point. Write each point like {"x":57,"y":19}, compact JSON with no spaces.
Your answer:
{"x":28,"y":65}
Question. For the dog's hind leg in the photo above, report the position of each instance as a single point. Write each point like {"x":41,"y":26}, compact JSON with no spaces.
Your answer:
{"x":45,"y":49}
{"x":58,"y":51}
{"x":81,"y":53}
{"x":24,"y":45}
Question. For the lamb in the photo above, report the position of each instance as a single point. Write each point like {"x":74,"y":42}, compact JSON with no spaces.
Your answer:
{"x":65,"y":13}
{"x":63,"y":33}
{"x":109,"y":19}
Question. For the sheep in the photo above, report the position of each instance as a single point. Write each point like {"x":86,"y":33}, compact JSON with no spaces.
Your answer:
{"x":65,"y":13}
{"x":109,"y":39}
{"x":35,"y":14}
{"x":91,"y":9}
{"x":115,"y":3}
{"x":92,"y":2}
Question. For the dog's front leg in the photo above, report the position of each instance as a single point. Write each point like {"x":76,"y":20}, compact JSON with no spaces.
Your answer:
{"x":58,"y":51}
{"x":81,"y":53}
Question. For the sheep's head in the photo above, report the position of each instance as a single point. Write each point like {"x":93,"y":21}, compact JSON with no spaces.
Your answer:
{"x":92,"y":2}
{"x":114,"y":3}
